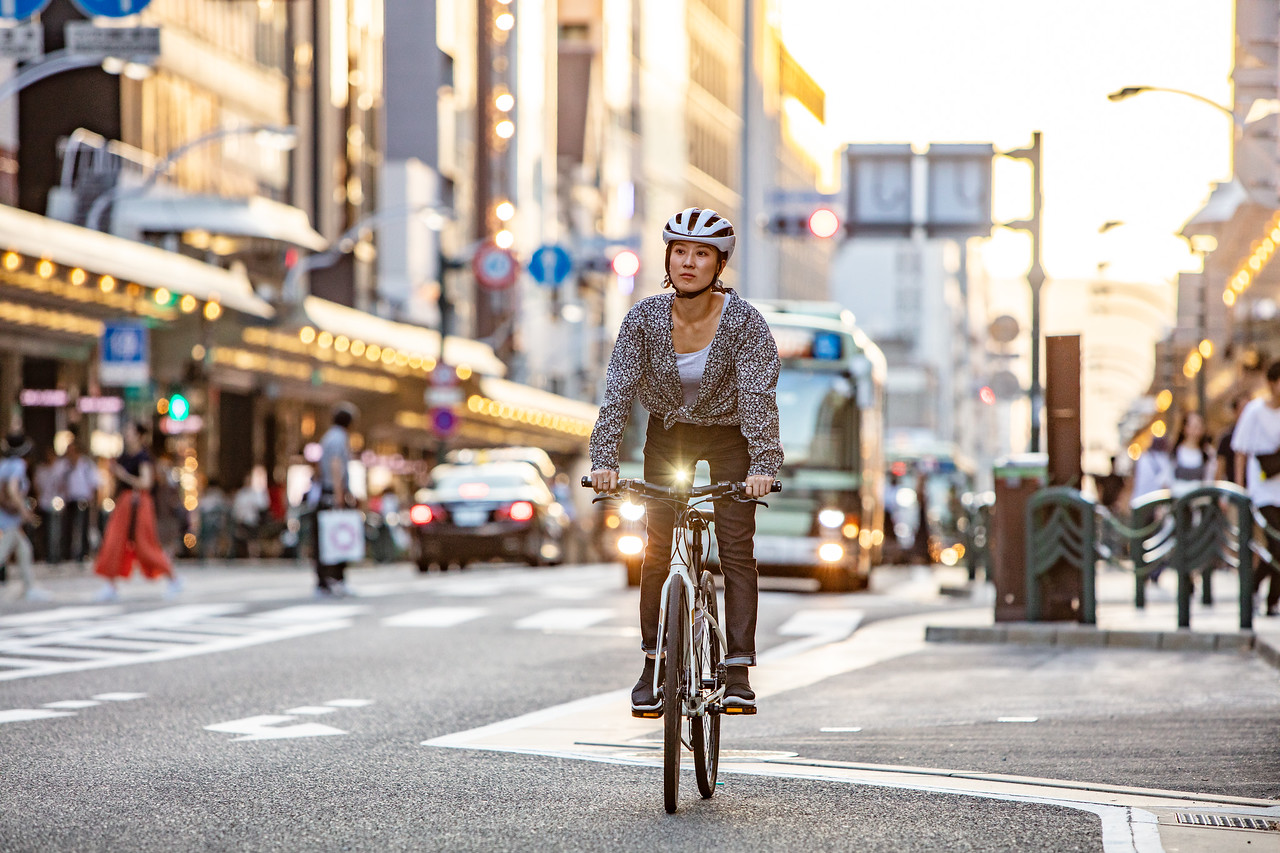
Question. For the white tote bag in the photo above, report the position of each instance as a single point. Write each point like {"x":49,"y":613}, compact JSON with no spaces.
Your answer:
{"x":341,"y":535}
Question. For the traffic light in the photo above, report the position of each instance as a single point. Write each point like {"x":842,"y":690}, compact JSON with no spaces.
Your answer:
{"x":626,"y":263}
{"x":179,"y":407}
{"x":822,"y":223}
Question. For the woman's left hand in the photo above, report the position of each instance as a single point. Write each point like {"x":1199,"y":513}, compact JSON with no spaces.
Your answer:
{"x":758,"y":485}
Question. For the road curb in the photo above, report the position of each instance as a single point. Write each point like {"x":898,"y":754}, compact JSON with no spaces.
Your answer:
{"x":1085,"y":636}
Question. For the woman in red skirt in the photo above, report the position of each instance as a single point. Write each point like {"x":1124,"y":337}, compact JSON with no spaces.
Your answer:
{"x":131,"y":531}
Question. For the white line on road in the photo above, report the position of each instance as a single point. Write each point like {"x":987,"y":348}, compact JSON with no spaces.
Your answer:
{"x":434,"y":617}
{"x":598,"y":728}
{"x":565,"y":618}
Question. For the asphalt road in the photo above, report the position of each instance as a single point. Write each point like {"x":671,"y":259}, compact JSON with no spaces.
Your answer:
{"x":247,"y":717}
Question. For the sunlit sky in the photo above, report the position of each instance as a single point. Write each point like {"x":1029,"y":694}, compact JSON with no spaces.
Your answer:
{"x":924,"y":71}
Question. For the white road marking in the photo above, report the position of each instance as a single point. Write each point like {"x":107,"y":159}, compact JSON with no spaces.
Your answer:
{"x":599,"y":728}
{"x":565,"y":618}
{"x":59,"y":614}
{"x":72,"y":704}
{"x":817,"y":627}
{"x":310,"y":711}
{"x":840,"y":729}
{"x":270,"y":726}
{"x":1017,"y":719}
{"x":19,"y":715}
{"x":74,"y":639}
{"x":267,"y":727}
{"x":434,"y":617}
{"x":119,"y":697}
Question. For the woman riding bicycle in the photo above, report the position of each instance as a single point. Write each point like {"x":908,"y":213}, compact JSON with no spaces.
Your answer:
{"x":704,"y":364}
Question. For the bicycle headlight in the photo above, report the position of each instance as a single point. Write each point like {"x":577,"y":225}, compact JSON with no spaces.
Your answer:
{"x":831,"y":518}
{"x":631,"y":511}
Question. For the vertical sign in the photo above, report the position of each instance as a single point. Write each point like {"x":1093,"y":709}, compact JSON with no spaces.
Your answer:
{"x":126,"y":355}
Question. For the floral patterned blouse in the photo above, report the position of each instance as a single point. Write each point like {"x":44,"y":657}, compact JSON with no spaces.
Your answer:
{"x":738,"y":386}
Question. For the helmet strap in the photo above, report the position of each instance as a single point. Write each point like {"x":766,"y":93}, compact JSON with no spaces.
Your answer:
{"x":680,"y":294}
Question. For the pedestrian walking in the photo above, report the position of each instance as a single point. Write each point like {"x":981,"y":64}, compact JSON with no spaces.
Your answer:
{"x":1257,"y":445}
{"x":49,"y":482}
{"x":335,"y":493}
{"x":1153,"y":471}
{"x":247,"y":508}
{"x":82,"y":481}
{"x":131,"y":532}
{"x":14,"y":512}
{"x":1193,"y":460}
{"x":1226,"y":455}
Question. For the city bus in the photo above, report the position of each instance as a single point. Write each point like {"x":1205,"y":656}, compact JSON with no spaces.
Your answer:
{"x":828,"y":522}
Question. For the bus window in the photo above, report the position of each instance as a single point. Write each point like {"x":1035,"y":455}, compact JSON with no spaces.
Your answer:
{"x":818,"y":419}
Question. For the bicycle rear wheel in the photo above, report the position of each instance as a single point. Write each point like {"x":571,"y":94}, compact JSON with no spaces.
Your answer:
{"x":673,"y":694}
{"x":704,"y":730}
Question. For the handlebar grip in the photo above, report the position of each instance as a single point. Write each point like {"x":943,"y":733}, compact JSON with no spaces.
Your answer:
{"x":776,"y":487}
{"x":586,"y":481}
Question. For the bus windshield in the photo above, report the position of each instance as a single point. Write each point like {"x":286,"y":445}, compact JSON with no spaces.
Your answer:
{"x":818,"y":418}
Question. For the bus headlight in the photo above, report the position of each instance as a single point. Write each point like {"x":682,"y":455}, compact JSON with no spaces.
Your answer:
{"x":830,"y":552}
{"x":630,"y":545}
{"x":831,"y":518}
{"x":631,"y":511}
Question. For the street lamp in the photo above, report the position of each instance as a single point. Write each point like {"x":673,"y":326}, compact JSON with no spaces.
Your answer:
{"x":434,"y":217}
{"x":1130,"y":91}
{"x":282,"y":138}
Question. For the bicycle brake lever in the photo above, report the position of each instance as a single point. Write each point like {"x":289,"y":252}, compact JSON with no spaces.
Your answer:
{"x":755,"y":501}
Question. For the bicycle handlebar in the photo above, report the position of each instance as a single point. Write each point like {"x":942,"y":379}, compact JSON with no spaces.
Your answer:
{"x":653,"y":490}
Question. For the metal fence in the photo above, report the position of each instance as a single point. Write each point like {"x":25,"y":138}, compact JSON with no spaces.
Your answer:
{"x":1209,"y":528}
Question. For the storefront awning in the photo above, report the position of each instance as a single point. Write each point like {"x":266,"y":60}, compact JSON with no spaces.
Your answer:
{"x":530,"y":406}
{"x":68,"y":245}
{"x":355,"y":325}
{"x":232,"y":217}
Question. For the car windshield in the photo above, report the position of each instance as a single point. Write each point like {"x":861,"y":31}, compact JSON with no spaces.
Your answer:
{"x":470,"y":483}
{"x":818,"y":418}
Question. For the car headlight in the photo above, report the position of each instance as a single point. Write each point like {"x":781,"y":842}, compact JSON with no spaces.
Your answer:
{"x":630,"y":545}
{"x":830,"y":552}
{"x":631,"y":511}
{"x":831,"y":518}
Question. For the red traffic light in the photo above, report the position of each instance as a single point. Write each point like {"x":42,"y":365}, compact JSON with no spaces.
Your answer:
{"x":824,"y":223}
{"x":626,"y":263}
{"x":986,"y":395}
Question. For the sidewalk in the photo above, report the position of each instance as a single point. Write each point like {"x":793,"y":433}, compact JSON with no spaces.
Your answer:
{"x":1120,"y":625}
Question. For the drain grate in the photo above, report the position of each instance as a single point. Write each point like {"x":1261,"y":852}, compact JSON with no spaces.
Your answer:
{"x":1228,"y":821}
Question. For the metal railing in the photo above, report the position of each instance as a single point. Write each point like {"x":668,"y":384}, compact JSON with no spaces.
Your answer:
{"x":1193,"y":534}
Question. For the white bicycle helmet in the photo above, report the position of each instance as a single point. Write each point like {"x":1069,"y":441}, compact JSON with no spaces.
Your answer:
{"x":701,"y":225}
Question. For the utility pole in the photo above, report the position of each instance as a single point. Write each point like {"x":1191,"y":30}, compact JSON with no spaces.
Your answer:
{"x":1035,"y":278}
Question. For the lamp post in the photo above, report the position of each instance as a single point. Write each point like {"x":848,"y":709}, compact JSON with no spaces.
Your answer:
{"x":1035,"y":278}
{"x":282,"y":137}
{"x":1202,"y":349}
{"x":435,"y":219}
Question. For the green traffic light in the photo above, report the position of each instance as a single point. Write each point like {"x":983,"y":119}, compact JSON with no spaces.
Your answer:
{"x":179,"y":408}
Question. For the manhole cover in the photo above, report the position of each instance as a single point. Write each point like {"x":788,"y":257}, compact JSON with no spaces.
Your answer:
{"x":1227,"y":821}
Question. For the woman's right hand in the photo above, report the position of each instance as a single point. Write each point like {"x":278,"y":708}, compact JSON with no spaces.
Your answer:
{"x":604,"y":480}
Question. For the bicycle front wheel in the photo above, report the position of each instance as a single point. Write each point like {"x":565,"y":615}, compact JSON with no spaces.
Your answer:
{"x":704,"y":730}
{"x":673,"y":690}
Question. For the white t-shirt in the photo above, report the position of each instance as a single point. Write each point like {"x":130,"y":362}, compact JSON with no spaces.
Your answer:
{"x":1152,"y":472}
{"x":1258,"y":431}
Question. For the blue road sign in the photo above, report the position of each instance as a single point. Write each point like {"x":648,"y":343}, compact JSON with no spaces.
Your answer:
{"x":20,"y":10}
{"x":550,"y":265}
{"x":109,"y":8}
{"x":125,"y":353}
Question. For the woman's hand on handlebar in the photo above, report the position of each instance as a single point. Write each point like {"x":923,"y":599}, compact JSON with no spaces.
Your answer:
{"x":758,"y":485}
{"x":604,"y":480}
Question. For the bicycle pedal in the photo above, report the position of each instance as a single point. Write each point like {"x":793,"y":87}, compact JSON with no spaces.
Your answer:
{"x":646,"y":715}
{"x":744,"y":710}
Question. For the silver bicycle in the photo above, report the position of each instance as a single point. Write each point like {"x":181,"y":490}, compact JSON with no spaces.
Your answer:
{"x":692,"y":676}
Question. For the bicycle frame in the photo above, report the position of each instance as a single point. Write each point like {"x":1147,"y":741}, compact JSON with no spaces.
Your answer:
{"x":689,"y":522}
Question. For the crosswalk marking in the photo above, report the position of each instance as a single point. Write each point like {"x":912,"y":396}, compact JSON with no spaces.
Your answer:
{"x":78,"y":638}
{"x":565,"y":618}
{"x":434,"y":617}
{"x":21,"y":715}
